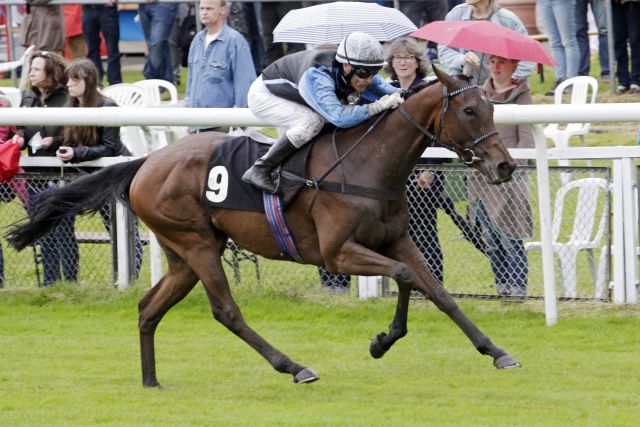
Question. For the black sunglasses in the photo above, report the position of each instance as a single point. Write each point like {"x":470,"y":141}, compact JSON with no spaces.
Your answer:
{"x":365,"y":73}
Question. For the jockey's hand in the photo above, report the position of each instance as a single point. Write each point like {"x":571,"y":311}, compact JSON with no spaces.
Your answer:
{"x":385,"y":103}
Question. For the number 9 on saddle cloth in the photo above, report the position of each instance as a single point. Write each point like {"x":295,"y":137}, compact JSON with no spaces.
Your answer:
{"x":224,"y":187}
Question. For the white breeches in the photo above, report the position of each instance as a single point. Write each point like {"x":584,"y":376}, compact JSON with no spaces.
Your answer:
{"x":302,"y":123}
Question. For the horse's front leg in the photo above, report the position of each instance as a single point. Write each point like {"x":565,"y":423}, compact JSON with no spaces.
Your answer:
{"x":426,"y":283}
{"x":413,"y":272}
{"x":382,"y":342}
{"x":402,"y":249}
{"x":354,"y":258}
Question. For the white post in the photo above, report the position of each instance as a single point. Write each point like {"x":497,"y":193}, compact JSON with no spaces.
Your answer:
{"x":369,"y":286}
{"x":122,"y":239}
{"x":630,"y":226}
{"x":155,"y":263}
{"x":618,"y":233}
{"x":544,"y":200}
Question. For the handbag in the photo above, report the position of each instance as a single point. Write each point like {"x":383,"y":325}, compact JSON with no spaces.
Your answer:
{"x":9,"y":161}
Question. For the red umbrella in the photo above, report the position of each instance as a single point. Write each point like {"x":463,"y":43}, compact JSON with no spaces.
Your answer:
{"x":487,"y":37}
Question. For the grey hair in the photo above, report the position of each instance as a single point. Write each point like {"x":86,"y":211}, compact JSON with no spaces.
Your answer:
{"x":409,"y":45}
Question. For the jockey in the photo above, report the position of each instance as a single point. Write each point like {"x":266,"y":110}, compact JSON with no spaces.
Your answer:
{"x":302,"y":91}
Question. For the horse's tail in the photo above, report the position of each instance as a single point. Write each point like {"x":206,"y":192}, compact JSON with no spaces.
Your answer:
{"x":85,"y":195}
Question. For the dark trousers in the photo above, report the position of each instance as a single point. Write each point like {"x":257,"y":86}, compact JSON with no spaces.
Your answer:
{"x":423,"y":221}
{"x":58,"y":248}
{"x":330,"y":279}
{"x":507,"y":255}
{"x":270,"y":14}
{"x":157,"y":20}
{"x":626,"y":28}
{"x":582,"y":34}
{"x":425,"y":11}
{"x":98,"y":19}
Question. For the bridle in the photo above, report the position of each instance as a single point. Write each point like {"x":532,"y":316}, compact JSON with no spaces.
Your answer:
{"x":463,"y":153}
{"x":389,"y":195}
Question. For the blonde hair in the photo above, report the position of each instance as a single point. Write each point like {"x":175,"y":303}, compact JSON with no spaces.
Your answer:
{"x":409,"y":45}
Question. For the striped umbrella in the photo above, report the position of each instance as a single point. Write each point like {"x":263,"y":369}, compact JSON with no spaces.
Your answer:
{"x":331,"y":22}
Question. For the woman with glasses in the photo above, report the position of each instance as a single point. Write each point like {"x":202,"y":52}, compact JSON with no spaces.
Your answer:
{"x":407,"y":66}
{"x":302,"y":91}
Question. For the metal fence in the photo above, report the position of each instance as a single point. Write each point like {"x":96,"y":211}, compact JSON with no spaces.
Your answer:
{"x":480,"y":239}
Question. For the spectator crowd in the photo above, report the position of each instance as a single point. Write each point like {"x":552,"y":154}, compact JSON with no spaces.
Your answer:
{"x":232,"y":60}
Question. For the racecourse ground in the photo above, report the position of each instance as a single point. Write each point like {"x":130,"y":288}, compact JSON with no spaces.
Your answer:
{"x":69,"y":356}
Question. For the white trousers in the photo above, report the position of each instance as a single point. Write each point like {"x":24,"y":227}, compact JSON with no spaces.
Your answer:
{"x":301,"y":122}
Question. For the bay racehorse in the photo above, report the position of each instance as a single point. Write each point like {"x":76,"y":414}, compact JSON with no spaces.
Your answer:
{"x":345,"y":233}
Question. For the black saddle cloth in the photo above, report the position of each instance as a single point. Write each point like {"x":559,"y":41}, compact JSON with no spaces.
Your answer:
{"x":224,"y":186}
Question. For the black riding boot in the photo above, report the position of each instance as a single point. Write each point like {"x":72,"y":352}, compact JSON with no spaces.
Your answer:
{"x":260,"y":173}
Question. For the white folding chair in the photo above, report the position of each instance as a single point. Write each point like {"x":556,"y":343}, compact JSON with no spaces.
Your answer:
{"x":161,"y":136}
{"x":129,"y":95}
{"x":561,"y":134}
{"x":154,"y":89}
{"x":6,"y":100}
{"x":587,"y":222}
{"x":12,"y":95}
{"x":24,"y":62}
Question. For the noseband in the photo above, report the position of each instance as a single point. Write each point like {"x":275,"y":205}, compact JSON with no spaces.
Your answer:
{"x":462,"y":153}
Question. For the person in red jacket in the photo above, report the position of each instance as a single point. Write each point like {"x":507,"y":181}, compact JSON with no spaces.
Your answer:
{"x":75,"y":47}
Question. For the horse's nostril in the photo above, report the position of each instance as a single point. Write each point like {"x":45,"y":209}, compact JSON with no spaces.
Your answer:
{"x":506,"y":168}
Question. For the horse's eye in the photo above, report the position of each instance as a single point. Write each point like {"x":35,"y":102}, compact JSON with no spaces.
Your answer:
{"x":469,"y":111}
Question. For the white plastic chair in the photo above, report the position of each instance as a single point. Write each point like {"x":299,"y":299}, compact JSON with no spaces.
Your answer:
{"x":161,"y":136}
{"x":24,"y":62}
{"x":560,"y":134}
{"x":7,"y":100}
{"x":129,"y":95}
{"x":12,"y":95}
{"x":154,"y":89}
{"x":588,"y":222}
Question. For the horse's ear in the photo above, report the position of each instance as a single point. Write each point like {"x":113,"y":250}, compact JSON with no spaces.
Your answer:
{"x":444,"y":78}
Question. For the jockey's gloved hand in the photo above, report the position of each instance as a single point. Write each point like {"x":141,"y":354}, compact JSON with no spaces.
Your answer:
{"x":385,"y":103}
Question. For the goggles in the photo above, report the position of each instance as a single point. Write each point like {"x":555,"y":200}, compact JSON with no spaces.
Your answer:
{"x":365,"y":72}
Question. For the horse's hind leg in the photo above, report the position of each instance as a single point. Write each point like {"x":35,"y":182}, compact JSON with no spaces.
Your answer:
{"x":209,"y":269}
{"x":171,"y":289}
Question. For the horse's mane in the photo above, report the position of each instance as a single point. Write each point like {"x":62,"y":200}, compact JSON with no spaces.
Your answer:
{"x":464,"y":77}
{"x":424,"y":83}
{"x":418,"y":87}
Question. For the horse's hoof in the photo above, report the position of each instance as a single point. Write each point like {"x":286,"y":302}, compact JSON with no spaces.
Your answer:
{"x":375,"y":348}
{"x":152,"y":384}
{"x":307,"y":375}
{"x":506,"y":362}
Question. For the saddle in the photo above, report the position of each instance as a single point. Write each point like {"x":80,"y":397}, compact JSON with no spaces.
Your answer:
{"x":223,"y":183}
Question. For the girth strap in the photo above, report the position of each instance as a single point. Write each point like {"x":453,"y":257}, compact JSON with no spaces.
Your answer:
{"x":343,"y":188}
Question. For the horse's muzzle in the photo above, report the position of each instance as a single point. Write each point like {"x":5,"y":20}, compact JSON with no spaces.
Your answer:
{"x":505,"y":171}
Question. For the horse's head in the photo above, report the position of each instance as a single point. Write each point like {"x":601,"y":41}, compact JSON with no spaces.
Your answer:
{"x":466,"y":126}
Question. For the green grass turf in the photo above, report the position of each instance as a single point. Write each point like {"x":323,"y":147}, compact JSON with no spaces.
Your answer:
{"x":69,"y":356}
